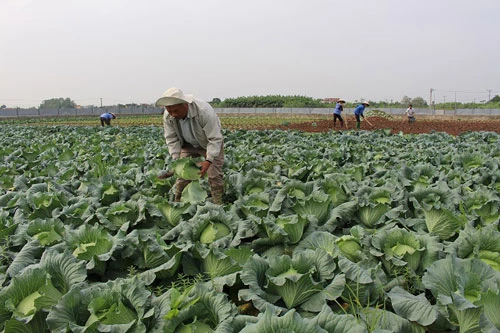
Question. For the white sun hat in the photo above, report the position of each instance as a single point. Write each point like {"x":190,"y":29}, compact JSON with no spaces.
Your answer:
{"x":174,"y":96}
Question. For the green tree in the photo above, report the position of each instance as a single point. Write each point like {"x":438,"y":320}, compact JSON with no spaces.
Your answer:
{"x":405,"y":101}
{"x":418,"y":102}
{"x":495,"y":99}
{"x":56,"y":103}
{"x":272,"y":101}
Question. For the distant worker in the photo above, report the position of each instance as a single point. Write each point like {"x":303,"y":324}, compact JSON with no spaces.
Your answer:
{"x":193,"y":129}
{"x":359,"y":113}
{"x":106,"y":118}
{"x":337,"y":113}
{"x":410,"y":114}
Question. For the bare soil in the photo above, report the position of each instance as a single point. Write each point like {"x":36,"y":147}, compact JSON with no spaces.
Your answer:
{"x":454,"y":126}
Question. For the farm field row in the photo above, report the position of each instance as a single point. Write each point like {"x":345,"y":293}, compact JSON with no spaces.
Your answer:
{"x":306,"y":123}
{"x":341,"y":231}
{"x":228,"y":122}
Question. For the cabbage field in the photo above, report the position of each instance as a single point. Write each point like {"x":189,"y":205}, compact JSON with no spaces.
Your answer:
{"x":346,"y":231}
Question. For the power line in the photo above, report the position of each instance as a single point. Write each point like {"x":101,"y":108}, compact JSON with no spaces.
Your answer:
{"x":19,"y":99}
{"x":464,"y":92}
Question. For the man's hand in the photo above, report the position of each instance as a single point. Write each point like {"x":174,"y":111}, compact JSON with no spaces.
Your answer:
{"x":204,"y":167}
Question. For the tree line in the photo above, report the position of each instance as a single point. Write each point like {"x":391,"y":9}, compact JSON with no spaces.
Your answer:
{"x":297,"y":101}
{"x":279,"y":101}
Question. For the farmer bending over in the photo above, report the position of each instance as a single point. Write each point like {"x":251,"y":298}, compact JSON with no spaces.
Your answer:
{"x":106,"y":118}
{"x":192,"y":129}
{"x":359,"y":113}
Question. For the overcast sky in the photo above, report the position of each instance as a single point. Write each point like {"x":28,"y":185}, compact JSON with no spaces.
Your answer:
{"x":126,"y":51}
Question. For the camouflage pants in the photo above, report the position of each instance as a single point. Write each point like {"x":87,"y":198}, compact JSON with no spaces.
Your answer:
{"x":214,"y":173}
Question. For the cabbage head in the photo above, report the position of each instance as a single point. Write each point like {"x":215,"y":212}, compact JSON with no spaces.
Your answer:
{"x":28,"y":294}
{"x":443,"y":223}
{"x":483,"y":244}
{"x":46,"y":231}
{"x":122,"y":305}
{"x":468,"y":289}
{"x":120,"y":213}
{"x":172,"y":212}
{"x":318,"y":240}
{"x":186,"y":168}
{"x":350,"y":247}
{"x":220,"y":263}
{"x":285,"y":228}
{"x":292,"y":321}
{"x":198,"y":308}
{"x":316,"y":204}
{"x":214,"y":231}
{"x":95,"y":245}
{"x":307,"y":280}
{"x":483,"y":205}
{"x":33,"y":292}
{"x":372,"y":214}
{"x":400,"y":249}
{"x":254,"y":204}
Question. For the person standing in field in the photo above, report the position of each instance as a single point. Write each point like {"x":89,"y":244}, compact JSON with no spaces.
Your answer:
{"x":410,"y":114}
{"x":192,"y":129}
{"x":359,"y":113}
{"x":337,"y":113}
{"x":106,"y":118}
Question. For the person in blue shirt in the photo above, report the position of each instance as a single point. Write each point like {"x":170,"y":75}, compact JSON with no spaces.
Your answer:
{"x":106,"y":118}
{"x":339,"y":107}
{"x":359,"y":113}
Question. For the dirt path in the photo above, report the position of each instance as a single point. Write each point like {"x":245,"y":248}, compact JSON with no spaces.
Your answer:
{"x":451,"y":126}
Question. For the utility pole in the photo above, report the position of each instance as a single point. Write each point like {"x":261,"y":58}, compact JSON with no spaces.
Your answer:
{"x":455,"y":102}
{"x":101,"y":102}
{"x":489,"y":94}
{"x":430,"y":98}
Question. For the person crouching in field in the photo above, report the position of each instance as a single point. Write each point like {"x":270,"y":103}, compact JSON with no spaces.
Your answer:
{"x":359,"y":113}
{"x":106,"y":118}
{"x":337,"y":113}
{"x":410,"y":114}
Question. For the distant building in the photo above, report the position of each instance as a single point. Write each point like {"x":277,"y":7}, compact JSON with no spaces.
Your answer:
{"x":330,"y":100}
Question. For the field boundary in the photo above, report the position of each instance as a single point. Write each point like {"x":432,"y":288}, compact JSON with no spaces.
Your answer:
{"x":148,"y":110}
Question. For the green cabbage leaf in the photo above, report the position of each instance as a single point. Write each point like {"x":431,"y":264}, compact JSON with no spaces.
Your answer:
{"x":186,"y":168}
{"x":122,"y":305}
{"x":483,"y":244}
{"x":307,"y":279}
{"x":461,"y":287}
{"x":291,"y":321}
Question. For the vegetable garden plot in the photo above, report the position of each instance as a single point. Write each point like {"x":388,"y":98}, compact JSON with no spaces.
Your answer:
{"x":335,"y":232}
{"x":379,"y":120}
